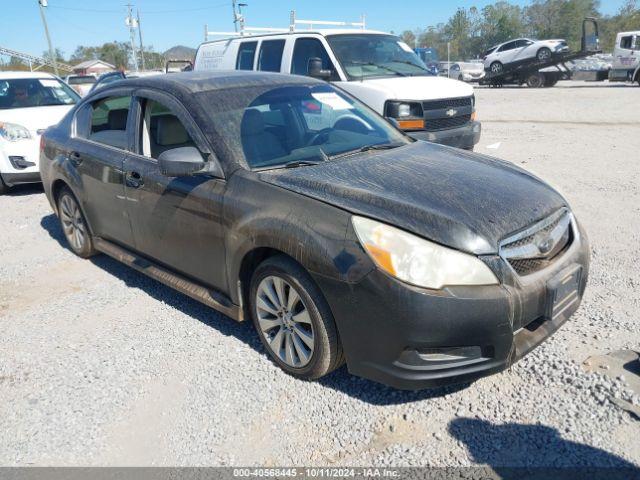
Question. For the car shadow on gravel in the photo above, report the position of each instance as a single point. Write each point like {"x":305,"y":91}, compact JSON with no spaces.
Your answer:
{"x":510,"y":448}
{"x":340,"y":380}
{"x":24,"y":190}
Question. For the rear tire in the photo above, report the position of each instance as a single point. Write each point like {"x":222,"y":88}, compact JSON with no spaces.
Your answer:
{"x":535,"y":80}
{"x":74,"y":225}
{"x":544,"y":54}
{"x":496,"y":67}
{"x":293,"y":320}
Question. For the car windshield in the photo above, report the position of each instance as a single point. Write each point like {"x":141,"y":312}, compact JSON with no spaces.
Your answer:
{"x":35,"y":92}
{"x":274,"y":127}
{"x":374,"y":55}
{"x":83,"y":80}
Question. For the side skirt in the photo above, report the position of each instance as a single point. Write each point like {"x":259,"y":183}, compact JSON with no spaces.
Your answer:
{"x":209,"y":297}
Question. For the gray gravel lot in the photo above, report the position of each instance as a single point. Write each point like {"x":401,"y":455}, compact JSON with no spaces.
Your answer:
{"x":101,"y":366}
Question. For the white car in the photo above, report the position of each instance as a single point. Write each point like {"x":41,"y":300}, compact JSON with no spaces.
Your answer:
{"x":29,"y":103}
{"x":81,"y":83}
{"x":522,"y":49}
{"x":467,"y":71}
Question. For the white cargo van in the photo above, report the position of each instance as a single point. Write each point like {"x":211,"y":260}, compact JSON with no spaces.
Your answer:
{"x":626,"y":58}
{"x":377,"y":68}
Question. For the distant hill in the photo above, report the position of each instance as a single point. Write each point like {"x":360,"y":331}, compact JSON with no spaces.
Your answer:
{"x":180,"y":52}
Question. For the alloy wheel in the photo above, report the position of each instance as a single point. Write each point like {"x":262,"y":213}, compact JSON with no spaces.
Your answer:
{"x":284,"y":321}
{"x":72,"y":222}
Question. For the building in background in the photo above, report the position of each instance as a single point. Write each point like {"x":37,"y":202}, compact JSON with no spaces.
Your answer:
{"x":95,"y":67}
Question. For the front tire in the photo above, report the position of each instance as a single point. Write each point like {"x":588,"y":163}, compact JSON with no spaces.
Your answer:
{"x":293,"y":319}
{"x":74,"y":225}
{"x":535,"y":80}
{"x":544,"y":54}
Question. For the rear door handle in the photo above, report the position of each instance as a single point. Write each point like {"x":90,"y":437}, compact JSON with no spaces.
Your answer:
{"x":133,"y":179}
{"x":75,"y":158}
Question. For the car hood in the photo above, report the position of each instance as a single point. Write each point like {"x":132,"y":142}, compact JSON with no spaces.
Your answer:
{"x":35,"y":118}
{"x":425,"y":87}
{"x":459,"y":199}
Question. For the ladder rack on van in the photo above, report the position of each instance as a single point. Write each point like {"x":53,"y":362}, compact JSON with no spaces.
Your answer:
{"x":293,"y":23}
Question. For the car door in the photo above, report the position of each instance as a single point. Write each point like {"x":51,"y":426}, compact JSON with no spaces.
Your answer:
{"x":506,"y":52}
{"x":97,"y":150}
{"x":306,"y":48}
{"x":525,"y":49}
{"x":175,"y":221}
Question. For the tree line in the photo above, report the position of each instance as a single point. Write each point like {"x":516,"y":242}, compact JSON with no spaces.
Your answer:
{"x":470,"y":32}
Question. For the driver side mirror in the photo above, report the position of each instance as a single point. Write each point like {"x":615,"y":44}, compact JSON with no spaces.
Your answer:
{"x":181,"y":162}
{"x":314,"y":69}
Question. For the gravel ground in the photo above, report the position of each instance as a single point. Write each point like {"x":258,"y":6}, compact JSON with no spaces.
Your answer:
{"x":101,"y":366}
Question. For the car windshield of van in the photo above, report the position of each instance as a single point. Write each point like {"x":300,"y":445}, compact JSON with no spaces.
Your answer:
{"x":374,"y":55}
{"x":296,"y":125}
{"x":35,"y":92}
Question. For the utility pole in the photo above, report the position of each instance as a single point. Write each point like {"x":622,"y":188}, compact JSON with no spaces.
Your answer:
{"x":235,"y":16}
{"x":131,"y":23}
{"x":141,"y":44}
{"x":52,"y":53}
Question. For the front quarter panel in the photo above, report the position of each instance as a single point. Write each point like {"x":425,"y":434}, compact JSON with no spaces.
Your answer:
{"x":261,"y":215}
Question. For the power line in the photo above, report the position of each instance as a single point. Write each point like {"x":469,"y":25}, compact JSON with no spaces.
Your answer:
{"x":153,"y":12}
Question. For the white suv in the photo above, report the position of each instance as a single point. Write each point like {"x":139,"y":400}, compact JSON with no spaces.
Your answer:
{"x":522,"y":49}
{"x":29,"y":103}
{"x":377,"y":68}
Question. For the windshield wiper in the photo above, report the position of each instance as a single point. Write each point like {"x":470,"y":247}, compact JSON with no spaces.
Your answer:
{"x":300,"y":163}
{"x":389,"y":69}
{"x":367,"y":148}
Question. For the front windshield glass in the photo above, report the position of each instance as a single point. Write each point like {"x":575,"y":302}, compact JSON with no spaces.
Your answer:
{"x":35,"y":92}
{"x":295,"y":125}
{"x":374,"y":55}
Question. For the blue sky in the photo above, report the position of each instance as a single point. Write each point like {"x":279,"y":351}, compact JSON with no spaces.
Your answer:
{"x":169,"y":22}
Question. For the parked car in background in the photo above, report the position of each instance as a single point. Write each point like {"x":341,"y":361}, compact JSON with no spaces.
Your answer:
{"x":377,"y":68}
{"x":467,"y":71}
{"x":29,"y":103}
{"x":522,"y":49}
{"x":283,"y":199}
{"x":626,"y":58}
{"x":107,"y":78}
{"x":429,"y":57}
{"x":81,"y":83}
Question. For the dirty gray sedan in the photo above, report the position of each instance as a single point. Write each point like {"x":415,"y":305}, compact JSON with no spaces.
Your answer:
{"x":283,"y":200}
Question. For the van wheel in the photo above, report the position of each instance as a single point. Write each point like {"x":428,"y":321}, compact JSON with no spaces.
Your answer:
{"x":496,"y":67}
{"x":543,"y":54}
{"x":293,"y":319}
{"x":74,"y":224}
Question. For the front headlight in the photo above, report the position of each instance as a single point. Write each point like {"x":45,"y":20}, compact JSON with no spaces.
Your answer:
{"x":13,"y":132}
{"x":403,"y":110}
{"x":417,"y":261}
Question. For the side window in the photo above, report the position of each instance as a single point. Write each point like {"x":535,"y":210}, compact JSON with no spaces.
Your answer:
{"x":270,"y":56}
{"x":507,"y":46}
{"x":108,"y":123}
{"x":626,"y":42}
{"x":246,"y":54}
{"x":303,"y":50}
{"x":162,"y":130}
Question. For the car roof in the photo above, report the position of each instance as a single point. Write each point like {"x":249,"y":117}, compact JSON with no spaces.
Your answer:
{"x":320,"y":31}
{"x":202,"y":81}
{"x":14,"y":75}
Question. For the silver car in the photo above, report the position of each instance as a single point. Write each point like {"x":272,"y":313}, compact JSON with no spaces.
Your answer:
{"x":522,"y":49}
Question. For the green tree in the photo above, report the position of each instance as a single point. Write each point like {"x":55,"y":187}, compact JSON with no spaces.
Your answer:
{"x":409,"y":38}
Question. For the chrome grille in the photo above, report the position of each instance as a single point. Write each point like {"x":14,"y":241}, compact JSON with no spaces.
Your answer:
{"x":538,"y":246}
{"x":447,"y":113}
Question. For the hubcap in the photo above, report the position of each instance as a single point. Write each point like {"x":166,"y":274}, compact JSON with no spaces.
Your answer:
{"x":496,"y":68}
{"x":544,"y":54}
{"x":72,"y":223}
{"x":284,"y":321}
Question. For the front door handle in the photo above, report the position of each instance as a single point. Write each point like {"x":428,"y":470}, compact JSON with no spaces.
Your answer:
{"x":133,"y":179}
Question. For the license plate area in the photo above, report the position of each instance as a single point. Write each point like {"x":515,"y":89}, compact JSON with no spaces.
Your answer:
{"x":563,"y":293}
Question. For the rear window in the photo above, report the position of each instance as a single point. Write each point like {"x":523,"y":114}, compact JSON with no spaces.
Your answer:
{"x":270,"y":56}
{"x":246,"y":54}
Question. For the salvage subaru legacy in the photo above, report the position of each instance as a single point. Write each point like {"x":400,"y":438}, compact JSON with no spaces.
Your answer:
{"x":284,"y":200}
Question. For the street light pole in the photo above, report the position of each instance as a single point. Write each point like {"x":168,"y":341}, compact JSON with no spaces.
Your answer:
{"x":52,"y":54}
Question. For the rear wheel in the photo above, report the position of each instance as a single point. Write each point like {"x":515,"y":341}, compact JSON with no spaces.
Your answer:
{"x":535,"y":80}
{"x":496,"y":67}
{"x":293,"y":319}
{"x":74,"y":224}
{"x":544,"y":54}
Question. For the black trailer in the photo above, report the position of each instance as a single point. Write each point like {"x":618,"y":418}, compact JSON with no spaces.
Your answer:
{"x":536,"y":73}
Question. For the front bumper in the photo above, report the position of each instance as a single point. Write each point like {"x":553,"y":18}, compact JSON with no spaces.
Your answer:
{"x":19,"y":161}
{"x":396,"y":334}
{"x":462,"y":137}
